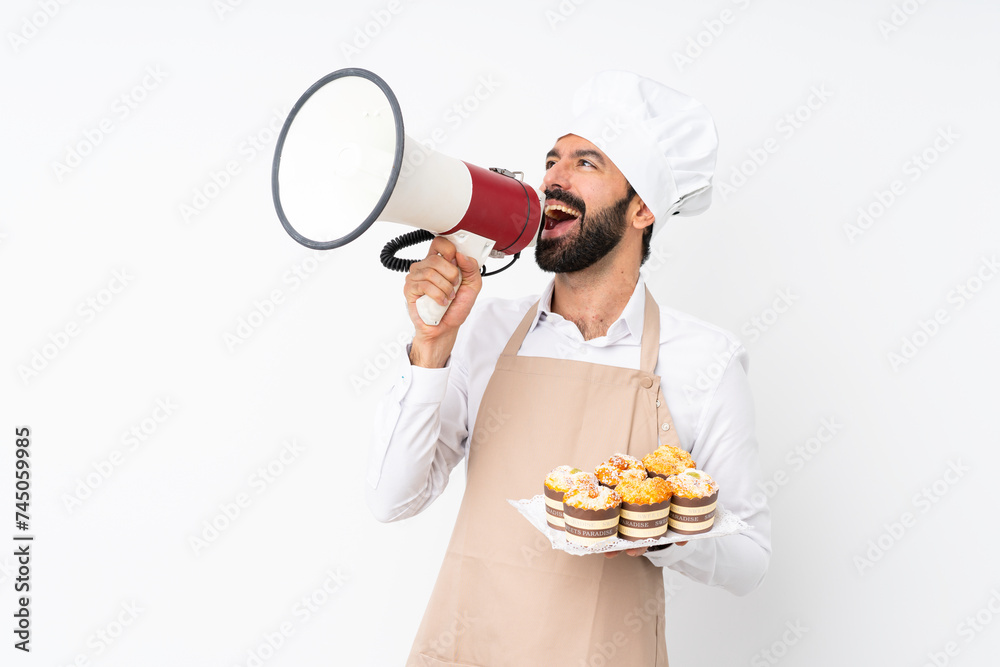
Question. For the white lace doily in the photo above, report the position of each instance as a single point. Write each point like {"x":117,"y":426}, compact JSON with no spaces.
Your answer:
{"x":533,"y":509}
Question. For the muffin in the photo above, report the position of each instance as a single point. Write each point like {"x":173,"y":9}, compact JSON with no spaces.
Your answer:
{"x":692,"y":508}
{"x":609,"y":473}
{"x":667,"y":460}
{"x":591,"y":513}
{"x":633,"y":475}
{"x":645,"y":508}
{"x":558,"y":481}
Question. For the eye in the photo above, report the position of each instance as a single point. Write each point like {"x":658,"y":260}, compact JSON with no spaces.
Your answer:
{"x":587,"y":163}
{"x":548,"y":164}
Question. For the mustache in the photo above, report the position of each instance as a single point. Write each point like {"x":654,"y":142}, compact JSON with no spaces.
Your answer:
{"x":567,"y":198}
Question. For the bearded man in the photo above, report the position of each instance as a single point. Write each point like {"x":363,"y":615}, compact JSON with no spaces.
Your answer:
{"x":590,"y":368}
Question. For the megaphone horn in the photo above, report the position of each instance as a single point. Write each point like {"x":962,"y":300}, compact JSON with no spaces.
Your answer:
{"x":342,"y":157}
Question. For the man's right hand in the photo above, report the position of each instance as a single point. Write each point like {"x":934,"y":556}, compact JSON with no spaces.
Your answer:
{"x":449,"y":278}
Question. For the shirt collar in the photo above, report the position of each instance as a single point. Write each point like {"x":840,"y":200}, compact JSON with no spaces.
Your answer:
{"x":629,"y":323}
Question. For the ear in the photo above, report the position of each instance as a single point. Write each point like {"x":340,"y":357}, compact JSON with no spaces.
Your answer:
{"x":642,"y":217}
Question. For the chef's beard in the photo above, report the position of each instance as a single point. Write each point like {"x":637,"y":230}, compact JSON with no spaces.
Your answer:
{"x":597,"y":234}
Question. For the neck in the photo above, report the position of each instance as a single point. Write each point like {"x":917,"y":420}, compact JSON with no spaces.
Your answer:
{"x":595,"y":297}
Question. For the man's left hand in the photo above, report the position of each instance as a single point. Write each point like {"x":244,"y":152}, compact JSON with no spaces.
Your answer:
{"x":641,"y":550}
{"x":631,"y":552}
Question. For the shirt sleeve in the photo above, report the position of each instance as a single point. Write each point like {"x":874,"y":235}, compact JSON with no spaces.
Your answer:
{"x":420,"y":436}
{"x":726,"y":448}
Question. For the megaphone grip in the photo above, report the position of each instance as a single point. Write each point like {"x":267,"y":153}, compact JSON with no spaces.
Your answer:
{"x":430,"y":311}
{"x":471,"y":245}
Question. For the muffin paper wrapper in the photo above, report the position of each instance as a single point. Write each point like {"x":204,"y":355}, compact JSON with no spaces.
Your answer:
{"x":643,"y":521}
{"x":533,"y":509}
{"x":590,"y":527}
{"x":554,"y":508}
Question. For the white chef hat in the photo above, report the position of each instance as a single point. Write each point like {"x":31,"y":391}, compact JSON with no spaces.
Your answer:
{"x":663,"y":141}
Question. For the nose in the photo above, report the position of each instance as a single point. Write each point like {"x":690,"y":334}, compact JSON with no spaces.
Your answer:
{"x":556,"y":177}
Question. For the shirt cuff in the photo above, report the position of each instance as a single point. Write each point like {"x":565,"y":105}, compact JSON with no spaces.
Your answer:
{"x":423,"y":385}
{"x":669,"y":556}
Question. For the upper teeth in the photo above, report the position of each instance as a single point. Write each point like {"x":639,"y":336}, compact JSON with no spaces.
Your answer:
{"x":564,"y":209}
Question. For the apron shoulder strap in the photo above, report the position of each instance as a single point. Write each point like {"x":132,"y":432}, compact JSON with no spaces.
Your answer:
{"x":650,"y":335}
{"x":514,"y":343}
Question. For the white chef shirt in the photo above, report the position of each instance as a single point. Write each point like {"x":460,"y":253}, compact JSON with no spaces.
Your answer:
{"x":423,"y":422}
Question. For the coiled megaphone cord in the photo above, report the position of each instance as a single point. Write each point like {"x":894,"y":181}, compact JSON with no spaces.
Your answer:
{"x":388,"y":256}
{"x":393,"y":263}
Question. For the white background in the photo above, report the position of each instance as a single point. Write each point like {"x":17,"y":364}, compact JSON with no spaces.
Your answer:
{"x":865,"y":568}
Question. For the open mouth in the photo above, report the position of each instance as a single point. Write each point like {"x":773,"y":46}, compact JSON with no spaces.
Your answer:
{"x":559,"y":217}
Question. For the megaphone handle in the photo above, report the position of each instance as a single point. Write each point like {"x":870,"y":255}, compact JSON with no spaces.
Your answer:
{"x":471,"y":245}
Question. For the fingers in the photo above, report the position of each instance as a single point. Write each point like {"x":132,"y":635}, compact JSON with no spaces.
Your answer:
{"x":442,"y":246}
{"x":434,"y":276}
{"x":449,"y":278}
{"x":471,"y":273}
{"x":631,"y":552}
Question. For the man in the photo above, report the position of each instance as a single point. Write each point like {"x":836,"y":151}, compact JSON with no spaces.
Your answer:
{"x":587,"y":370}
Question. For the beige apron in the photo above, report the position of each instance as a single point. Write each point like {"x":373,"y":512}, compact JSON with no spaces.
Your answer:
{"x":504,"y":596}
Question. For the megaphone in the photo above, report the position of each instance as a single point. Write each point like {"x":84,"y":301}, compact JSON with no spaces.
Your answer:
{"x":343,"y":161}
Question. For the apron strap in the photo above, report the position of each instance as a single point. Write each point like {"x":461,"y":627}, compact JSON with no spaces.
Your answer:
{"x":650,"y":334}
{"x":666,"y":432}
{"x":514,"y":343}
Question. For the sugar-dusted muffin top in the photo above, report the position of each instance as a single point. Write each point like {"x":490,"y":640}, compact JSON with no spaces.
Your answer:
{"x":693,"y":484}
{"x":591,"y":497}
{"x":667,"y":460}
{"x":645,"y":491}
{"x":633,"y":474}
{"x":563,"y":477}
{"x":610,"y":471}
